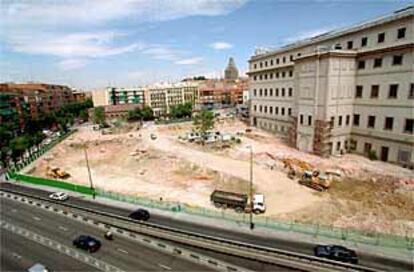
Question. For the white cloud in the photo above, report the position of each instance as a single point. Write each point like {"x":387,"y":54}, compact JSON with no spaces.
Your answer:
{"x":307,"y":34}
{"x":78,"y":12}
{"x":162,"y":52}
{"x":71,"y":64}
{"x":189,"y":61}
{"x":221,"y":45}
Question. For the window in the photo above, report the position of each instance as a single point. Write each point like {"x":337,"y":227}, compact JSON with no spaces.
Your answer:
{"x":265,"y":92}
{"x":361,"y":64}
{"x":371,"y":121}
{"x":291,"y":73}
{"x":283,"y":111}
{"x":290,"y":111}
{"x":265,"y":63}
{"x":397,"y":60}
{"x":260,"y":92}
{"x":401,"y":33}
{"x":291,"y":57}
{"x":338,"y":146}
{"x":354,"y":144}
{"x":389,"y":122}
{"x":349,"y":44}
{"x":358,"y":91}
{"x":283,"y":91}
{"x":404,"y":156}
{"x":411,"y":91}
{"x":260,"y":108}
{"x":261,"y":64}
{"x":340,"y":121}
{"x":301,"y":119}
{"x":271,"y":110}
{"x":271,"y":76}
{"x":377,"y":62}
{"x":283,"y":74}
{"x":265,"y":109}
{"x":291,"y":91}
{"x":277,"y":110}
{"x":367,"y":147}
{"x":393,"y":92}
{"x":364,"y":41}
{"x":347,"y":119}
{"x":277,"y":74}
{"x":284,"y":59}
{"x":270,"y":92}
{"x":332,"y":123}
{"x":277,"y":92}
{"x":260,"y":77}
{"x":409,"y":126}
{"x":271,"y":62}
{"x":374,"y":91}
{"x":309,"y":120}
{"x":381,"y":37}
{"x":254,"y":78}
{"x":277,"y":61}
{"x":254,"y":92}
{"x":255,"y":66}
{"x":255,"y":108}
{"x":356,"y":120}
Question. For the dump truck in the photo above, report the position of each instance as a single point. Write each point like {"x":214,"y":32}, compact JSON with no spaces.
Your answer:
{"x":315,"y":180}
{"x":238,"y":202}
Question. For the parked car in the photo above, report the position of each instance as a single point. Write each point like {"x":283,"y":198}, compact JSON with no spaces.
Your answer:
{"x":336,"y":253}
{"x":61,"y":196}
{"x":140,"y":214}
{"x":87,"y":242}
{"x":37,"y":267}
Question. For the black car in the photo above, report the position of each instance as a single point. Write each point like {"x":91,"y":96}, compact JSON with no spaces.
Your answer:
{"x":88,"y":243}
{"x":336,"y":253}
{"x":140,"y":214}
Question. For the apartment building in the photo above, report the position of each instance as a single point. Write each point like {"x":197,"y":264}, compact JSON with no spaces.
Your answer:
{"x":349,"y":90}
{"x":118,"y":96}
{"x":160,"y":97}
{"x":221,"y":93}
{"x":39,"y":98}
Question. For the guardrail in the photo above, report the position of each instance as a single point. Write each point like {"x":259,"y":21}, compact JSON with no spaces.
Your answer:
{"x":230,"y":247}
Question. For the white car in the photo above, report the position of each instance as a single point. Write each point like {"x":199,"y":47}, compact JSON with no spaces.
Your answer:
{"x":59,"y":196}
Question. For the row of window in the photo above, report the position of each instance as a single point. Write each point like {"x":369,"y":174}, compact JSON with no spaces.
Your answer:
{"x":275,"y":61}
{"x":264,"y":109}
{"x":270,"y":126}
{"x":388,"y":123}
{"x":381,"y":37}
{"x":397,"y":60}
{"x":276,"y":75}
{"x":392,"y":91}
{"x":282,"y":93}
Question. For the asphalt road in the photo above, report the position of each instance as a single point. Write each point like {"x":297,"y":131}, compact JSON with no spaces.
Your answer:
{"x":291,"y":245}
{"x":18,"y":254}
{"x":122,"y":253}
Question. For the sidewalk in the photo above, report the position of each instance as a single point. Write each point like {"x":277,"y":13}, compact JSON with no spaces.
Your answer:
{"x":366,"y":249}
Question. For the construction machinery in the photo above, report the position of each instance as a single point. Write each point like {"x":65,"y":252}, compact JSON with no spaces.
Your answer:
{"x":296,"y":167}
{"x":56,"y":172}
{"x":315,"y":180}
{"x":238,"y":202}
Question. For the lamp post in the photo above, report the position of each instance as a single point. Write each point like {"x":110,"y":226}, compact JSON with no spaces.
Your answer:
{"x":251,"y":187}
{"x":89,"y":171}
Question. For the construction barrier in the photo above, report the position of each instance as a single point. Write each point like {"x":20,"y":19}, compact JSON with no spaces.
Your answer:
{"x":53,"y":183}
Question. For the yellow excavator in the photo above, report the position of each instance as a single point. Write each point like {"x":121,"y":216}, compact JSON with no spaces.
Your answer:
{"x":56,"y":172}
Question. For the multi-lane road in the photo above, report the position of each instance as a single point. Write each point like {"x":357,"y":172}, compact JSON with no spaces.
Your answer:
{"x":297,"y":246}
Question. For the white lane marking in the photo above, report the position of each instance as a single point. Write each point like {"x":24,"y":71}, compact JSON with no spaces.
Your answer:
{"x":122,"y":250}
{"x":36,"y":218}
{"x":63,"y":228}
{"x":164,"y":266}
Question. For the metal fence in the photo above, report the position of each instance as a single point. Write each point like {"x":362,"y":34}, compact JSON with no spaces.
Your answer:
{"x":321,"y":231}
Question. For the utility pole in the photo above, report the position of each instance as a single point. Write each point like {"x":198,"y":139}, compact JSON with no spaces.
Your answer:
{"x":89,"y":171}
{"x":251,"y":188}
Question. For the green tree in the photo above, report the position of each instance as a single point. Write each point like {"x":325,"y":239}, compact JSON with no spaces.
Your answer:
{"x":134,"y":115}
{"x":99,"y":115}
{"x":203,"y":122}
{"x":18,"y":146}
{"x":83,"y":115}
{"x":147,"y":113}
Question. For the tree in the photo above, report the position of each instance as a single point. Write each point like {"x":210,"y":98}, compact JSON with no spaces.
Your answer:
{"x":203,"y":122}
{"x":134,"y":115}
{"x":181,"y":110}
{"x":147,"y":113}
{"x":83,"y":115}
{"x":99,"y":115}
{"x":18,"y":146}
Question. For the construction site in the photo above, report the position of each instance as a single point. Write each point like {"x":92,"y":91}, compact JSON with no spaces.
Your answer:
{"x":161,"y":163}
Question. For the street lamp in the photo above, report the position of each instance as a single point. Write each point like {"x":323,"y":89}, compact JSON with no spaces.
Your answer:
{"x":251,"y":187}
{"x":89,"y":171}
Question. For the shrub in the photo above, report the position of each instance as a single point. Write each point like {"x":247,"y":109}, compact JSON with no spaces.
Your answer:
{"x":372,"y":155}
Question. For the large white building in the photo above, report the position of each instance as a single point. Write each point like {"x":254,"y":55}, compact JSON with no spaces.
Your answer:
{"x":350,"y":90}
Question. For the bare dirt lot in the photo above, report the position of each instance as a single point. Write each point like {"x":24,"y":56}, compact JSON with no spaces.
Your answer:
{"x":371,"y":195}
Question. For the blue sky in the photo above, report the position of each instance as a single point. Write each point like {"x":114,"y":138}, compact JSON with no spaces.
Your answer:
{"x":94,"y":43}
